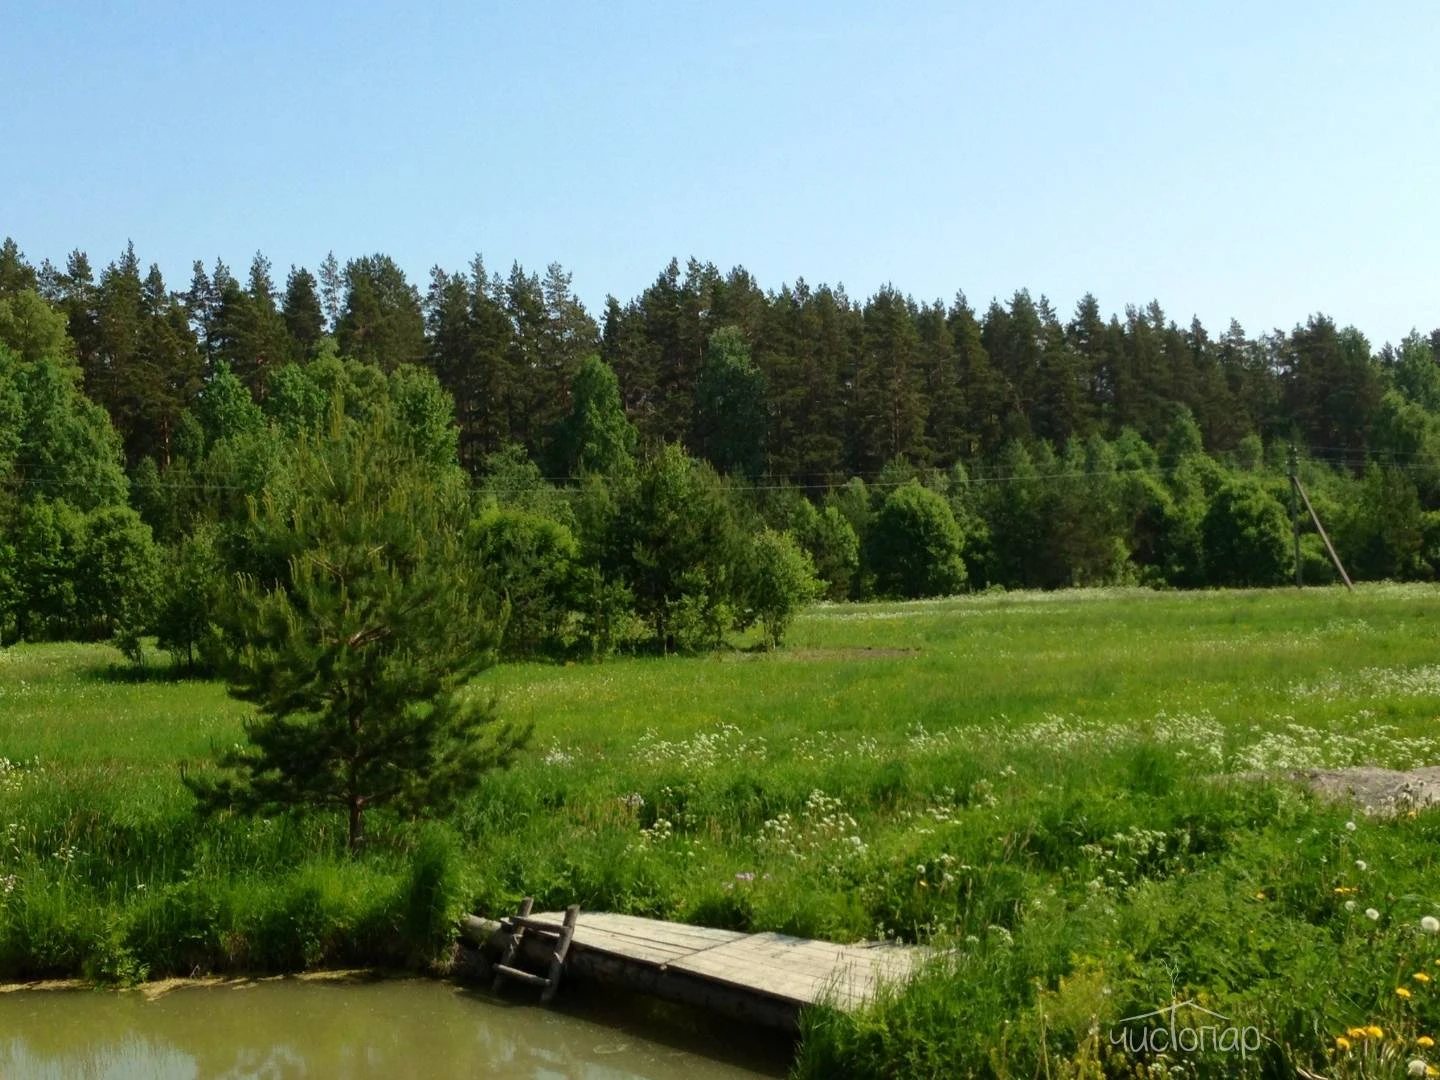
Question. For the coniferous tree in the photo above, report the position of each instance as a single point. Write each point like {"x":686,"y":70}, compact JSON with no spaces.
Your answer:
{"x":946,"y":437}
{"x":332,"y":287}
{"x":253,"y":337}
{"x":888,"y":414}
{"x":730,"y":415}
{"x":1060,"y":409}
{"x":986,"y":403}
{"x":1088,"y":338}
{"x":570,"y":335}
{"x":191,"y":593}
{"x":200,"y":302}
{"x":77,"y":300}
{"x":304,"y":316}
{"x":627,"y":350}
{"x":16,"y":275}
{"x":357,"y":655}
{"x":381,"y":323}
{"x":1014,"y":340}
{"x":1331,"y":389}
{"x":165,"y":375}
{"x":469,"y":346}
{"x":119,"y":307}
{"x":676,"y":545}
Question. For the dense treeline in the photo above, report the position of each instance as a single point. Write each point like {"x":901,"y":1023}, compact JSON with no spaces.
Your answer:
{"x":706,"y":456}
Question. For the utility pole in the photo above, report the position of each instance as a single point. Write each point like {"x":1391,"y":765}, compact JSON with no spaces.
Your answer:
{"x":1295,"y":512}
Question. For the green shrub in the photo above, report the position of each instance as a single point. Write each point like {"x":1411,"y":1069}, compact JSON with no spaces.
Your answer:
{"x":1246,"y":536}
{"x":914,"y":545}
{"x":776,"y":580}
{"x":528,"y":563}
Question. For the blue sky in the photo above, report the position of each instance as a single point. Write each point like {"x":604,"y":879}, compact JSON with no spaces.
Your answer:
{"x":1256,"y":160}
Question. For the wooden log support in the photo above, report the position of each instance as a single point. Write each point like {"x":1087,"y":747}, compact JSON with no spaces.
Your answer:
{"x":523,"y":976}
{"x":512,"y":943}
{"x":562,"y":946}
{"x":516,"y":932}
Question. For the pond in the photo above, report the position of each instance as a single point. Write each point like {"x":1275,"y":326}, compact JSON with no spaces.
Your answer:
{"x":358,"y":1029}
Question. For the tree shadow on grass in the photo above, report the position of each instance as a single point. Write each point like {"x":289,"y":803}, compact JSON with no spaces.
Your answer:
{"x":123,"y":672}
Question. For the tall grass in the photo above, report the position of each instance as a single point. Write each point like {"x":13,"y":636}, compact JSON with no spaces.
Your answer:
{"x":1042,"y":786}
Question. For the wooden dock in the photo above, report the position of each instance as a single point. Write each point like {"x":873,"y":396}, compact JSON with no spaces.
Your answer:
{"x":763,"y":978}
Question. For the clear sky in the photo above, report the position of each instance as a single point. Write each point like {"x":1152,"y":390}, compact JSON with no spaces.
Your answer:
{"x":1262,"y":160}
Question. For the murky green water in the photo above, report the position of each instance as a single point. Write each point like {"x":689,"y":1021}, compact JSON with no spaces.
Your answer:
{"x":394,"y":1029}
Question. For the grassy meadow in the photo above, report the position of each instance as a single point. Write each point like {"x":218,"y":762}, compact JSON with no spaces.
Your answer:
{"x":1044,"y":785}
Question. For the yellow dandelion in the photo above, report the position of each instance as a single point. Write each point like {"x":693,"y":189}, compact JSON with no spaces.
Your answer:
{"x":1342,"y":1043}
{"x":1400,"y":991}
{"x":1259,"y":896}
{"x":1346,"y":890}
{"x":1356,"y":1033}
{"x":1420,"y":977}
{"x":1424,"y":1042}
{"x":1375,"y":1032}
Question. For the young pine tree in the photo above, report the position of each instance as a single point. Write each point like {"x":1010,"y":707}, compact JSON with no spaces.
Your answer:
{"x":358,"y":653}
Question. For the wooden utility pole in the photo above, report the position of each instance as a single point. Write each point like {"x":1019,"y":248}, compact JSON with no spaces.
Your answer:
{"x":1315,"y":517}
{"x":1295,"y":513}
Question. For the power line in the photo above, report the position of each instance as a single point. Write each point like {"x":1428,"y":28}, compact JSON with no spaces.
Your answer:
{"x":491,"y":486}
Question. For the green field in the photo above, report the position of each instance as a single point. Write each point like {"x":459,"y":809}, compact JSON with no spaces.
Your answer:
{"x":1037,"y":782}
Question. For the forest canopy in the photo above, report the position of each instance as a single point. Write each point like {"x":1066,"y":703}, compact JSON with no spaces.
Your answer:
{"x":625,"y":474}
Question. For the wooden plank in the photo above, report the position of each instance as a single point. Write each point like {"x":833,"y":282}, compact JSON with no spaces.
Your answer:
{"x":651,"y":931}
{"x":637,"y":948}
{"x":795,"y":969}
{"x":645,"y":940}
{"x":765,"y":952}
{"x":636,"y":952}
{"x":639,"y":927}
